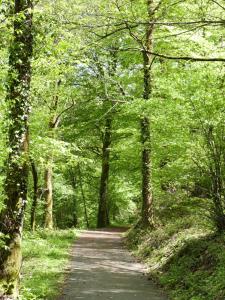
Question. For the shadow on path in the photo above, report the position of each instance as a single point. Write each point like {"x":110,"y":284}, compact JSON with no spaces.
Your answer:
{"x":102,"y":269}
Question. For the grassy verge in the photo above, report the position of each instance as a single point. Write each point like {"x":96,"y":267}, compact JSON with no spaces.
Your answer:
{"x":45,"y":256}
{"x":187,"y":260}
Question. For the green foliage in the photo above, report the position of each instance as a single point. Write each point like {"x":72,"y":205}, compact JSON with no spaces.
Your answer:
{"x":184,"y":94}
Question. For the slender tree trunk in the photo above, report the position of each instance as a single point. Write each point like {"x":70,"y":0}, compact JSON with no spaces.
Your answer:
{"x":147,"y":196}
{"x":48,"y":178}
{"x":18,"y":100}
{"x":35,"y":196}
{"x":83,"y":197}
{"x":74,"y":185}
{"x":103,"y":213}
{"x":75,"y":218}
{"x":48,"y":198}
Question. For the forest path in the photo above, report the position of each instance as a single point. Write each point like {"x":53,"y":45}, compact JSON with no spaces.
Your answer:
{"x":101,"y":269}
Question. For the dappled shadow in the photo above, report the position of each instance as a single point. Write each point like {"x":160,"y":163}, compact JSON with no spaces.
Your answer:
{"x":194,"y":267}
{"x":198,"y":248}
{"x":102,"y":269}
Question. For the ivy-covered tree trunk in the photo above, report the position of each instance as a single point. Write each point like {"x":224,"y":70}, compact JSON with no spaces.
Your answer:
{"x":147,"y":196}
{"x":103,"y":213}
{"x":18,"y":102}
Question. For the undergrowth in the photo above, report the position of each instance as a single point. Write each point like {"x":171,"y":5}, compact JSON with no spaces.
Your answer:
{"x":45,"y":256}
{"x":184,"y":257}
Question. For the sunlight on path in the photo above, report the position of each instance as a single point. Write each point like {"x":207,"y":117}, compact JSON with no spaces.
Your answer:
{"x":102,"y":269}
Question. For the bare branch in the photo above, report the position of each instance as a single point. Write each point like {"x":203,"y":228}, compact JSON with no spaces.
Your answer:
{"x":170,"y":57}
{"x":138,"y":23}
{"x":179,"y":33}
{"x":134,"y":36}
{"x":216,"y":2}
{"x":189,"y":58}
{"x":157,"y":6}
{"x":57,"y":119}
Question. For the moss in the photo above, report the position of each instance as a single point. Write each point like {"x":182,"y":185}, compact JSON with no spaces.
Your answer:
{"x":11,"y":266}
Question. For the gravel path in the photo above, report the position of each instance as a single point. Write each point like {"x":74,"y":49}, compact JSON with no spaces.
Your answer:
{"x":101,"y":269}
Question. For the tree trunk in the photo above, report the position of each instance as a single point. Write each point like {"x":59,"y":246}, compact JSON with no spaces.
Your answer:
{"x":48,"y":198}
{"x":103,"y":219}
{"x":83,"y":197}
{"x":53,"y":124}
{"x":35,"y":196}
{"x":147,"y":197}
{"x":74,"y":185}
{"x":103,"y":214}
{"x":18,"y":100}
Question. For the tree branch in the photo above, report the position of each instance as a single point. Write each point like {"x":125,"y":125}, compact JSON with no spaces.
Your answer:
{"x":170,"y":57}
{"x":57,"y":119}
{"x":179,"y":33}
{"x":188,"y":58}
{"x":216,"y":2}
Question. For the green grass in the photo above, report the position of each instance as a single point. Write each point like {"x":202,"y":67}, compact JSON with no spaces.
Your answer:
{"x":184,"y":257}
{"x":45,"y":256}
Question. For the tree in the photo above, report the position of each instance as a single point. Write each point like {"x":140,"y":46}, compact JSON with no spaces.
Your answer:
{"x":106,"y":74}
{"x":18,"y":102}
{"x":35,"y":196}
{"x":147,"y":192}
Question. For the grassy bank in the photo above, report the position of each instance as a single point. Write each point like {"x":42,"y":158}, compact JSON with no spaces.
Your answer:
{"x":45,"y":256}
{"x":187,"y":260}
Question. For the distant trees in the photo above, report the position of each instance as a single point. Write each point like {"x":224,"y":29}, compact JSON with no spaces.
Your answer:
{"x":141,"y":31}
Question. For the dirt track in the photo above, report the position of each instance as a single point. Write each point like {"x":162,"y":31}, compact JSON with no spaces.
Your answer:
{"x":102,"y":269}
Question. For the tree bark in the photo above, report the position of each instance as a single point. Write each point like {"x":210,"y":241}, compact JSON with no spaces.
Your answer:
{"x":83,"y":197}
{"x":74,"y":185}
{"x":48,"y":198}
{"x":103,"y":217}
{"x":53,"y":125}
{"x":147,"y":218}
{"x":103,"y":213}
{"x":18,"y":101}
{"x":35,"y":196}
{"x":48,"y":178}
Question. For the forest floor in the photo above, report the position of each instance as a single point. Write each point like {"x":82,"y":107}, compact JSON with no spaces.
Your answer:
{"x":101,"y":268}
{"x":186,"y":260}
{"x":45,"y":257}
